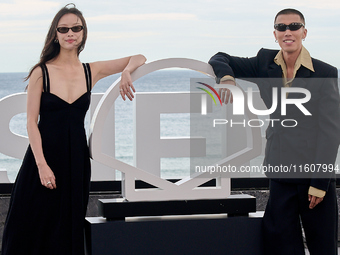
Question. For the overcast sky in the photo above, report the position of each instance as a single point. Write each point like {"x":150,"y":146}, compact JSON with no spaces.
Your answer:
{"x":164,"y":29}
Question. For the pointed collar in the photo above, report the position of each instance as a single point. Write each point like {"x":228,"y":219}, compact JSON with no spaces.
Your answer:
{"x":304,"y":59}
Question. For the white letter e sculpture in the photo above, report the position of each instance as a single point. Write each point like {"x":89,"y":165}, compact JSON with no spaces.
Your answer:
{"x":185,"y":189}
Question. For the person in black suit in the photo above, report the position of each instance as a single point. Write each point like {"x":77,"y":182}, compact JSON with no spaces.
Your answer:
{"x":301,"y":196}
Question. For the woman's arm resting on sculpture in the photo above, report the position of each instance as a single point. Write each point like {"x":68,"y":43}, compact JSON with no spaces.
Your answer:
{"x":125,"y":65}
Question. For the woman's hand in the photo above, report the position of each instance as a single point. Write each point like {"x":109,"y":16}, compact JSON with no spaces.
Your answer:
{"x":126,"y":66}
{"x":126,"y":87}
{"x":47,"y":177}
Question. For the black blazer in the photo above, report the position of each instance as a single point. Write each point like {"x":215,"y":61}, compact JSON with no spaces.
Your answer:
{"x":315,"y":139}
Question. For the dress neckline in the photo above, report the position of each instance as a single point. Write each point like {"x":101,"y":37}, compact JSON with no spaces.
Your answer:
{"x":46,"y":80}
{"x":61,"y":99}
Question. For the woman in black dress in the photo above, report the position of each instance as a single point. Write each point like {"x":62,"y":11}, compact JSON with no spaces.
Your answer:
{"x":50,"y":195}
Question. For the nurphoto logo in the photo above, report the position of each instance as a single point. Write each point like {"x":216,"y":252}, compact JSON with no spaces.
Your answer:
{"x":239,"y":98}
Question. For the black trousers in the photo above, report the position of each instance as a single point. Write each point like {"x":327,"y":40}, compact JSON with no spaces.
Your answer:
{"x":287,"y":208}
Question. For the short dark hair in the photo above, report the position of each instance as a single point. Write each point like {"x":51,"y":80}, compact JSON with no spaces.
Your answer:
{"x":290,"y":11}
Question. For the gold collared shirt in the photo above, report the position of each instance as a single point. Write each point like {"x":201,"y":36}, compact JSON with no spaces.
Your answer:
{"x":304,"y":59}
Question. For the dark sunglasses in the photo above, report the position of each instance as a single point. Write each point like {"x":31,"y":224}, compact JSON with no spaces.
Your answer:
{"x":64,"y":30}
{"x":292,"y":26}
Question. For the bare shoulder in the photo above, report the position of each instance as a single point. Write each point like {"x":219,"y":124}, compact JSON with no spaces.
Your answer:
{"x":36,"y":79}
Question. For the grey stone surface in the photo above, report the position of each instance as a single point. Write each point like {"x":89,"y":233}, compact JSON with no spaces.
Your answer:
{"x":261,"y":197}
{"x":4,"y":203}
{"x":92,"y":211}
{"x":92,"y":208}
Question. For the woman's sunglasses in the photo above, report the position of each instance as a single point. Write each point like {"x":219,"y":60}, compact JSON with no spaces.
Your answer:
{"x":292,"y":26}
{"x":64,"y":30}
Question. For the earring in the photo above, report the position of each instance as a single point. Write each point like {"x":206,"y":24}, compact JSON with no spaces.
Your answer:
{"x":56,"y":40}
{"x":276,"y":41}
{"x":304,"y":39}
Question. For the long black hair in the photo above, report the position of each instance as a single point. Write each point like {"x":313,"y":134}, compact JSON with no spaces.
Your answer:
{"x":52,"y":48}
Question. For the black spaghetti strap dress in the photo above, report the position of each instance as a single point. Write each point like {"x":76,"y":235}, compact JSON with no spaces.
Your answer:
{"x":44,"y":221}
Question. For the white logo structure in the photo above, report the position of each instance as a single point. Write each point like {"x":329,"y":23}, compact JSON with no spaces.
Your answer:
{"x":11,"y":144}
{"x":147,"y":136}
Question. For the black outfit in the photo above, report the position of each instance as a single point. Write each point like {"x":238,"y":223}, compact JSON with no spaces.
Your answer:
{"x":44,"y":221}
{"x":314,"y":140}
